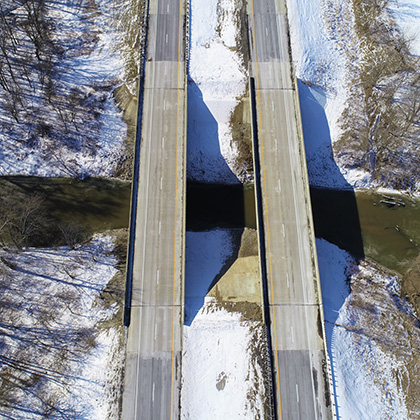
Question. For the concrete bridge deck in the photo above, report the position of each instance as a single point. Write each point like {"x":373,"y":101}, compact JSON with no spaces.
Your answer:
{"x":153,"y":369}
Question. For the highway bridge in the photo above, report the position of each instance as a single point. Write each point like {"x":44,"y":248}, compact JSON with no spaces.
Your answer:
{"x":154,"y":304}
{"x":154,"y":310}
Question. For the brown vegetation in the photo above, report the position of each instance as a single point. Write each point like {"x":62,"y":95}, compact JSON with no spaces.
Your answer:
{"x":240,"y":124}
{"x":381,"y":122}
{"x":411,"y":285}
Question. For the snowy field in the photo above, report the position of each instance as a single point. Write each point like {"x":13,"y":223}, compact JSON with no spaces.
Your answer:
{"x":57,"y":362}
{"x":221,"y":375}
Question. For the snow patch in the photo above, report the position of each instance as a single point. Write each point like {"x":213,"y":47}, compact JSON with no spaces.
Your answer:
{"x":407,"y":15}
{"x":220,"y":378}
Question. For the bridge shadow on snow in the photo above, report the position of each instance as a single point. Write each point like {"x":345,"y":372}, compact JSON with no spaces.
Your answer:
{"x":205,"y":162}
{"x":334,"y":209}
{"x":206,"y":264}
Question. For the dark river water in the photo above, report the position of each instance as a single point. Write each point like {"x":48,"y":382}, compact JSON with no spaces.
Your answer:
{"x":97,"y":203}
{"x":384,"y":228}
{"x":211,"y":206}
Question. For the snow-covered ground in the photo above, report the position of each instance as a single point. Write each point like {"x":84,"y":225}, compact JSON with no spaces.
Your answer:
{"x":73,"y":126}
{"x":217,"y":79}
{"x":221,"y":375}
{"x":407,"y":14}
{"x":55,"y":358}
{"x":372,"y":338}
{"x":321,"y":63}
{"x":327,"y":55}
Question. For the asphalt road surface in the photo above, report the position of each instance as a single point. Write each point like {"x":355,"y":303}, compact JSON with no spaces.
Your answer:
{"x":300,"y":373}
{"x":153,"y":369}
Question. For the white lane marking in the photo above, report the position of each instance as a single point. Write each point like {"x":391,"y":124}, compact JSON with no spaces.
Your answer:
{"x":266,"y":31}
{"x":167,"y":8}
{"x":161,"y":182}
{"x":163,"y":142}
{"x":166,"y":37}
{"x":155,"y":331}
{"x":153,"y":392}
{"x":272,"y":106}
{"x":160,"y":226}
{"x":297,"y":393}
{"x":164,"y":104}
{"x":157,"y":277}
{"x":279,"y":186}
{"x":287,"y":280}
{"x":275,"y":144}
{"x":282,"y":229}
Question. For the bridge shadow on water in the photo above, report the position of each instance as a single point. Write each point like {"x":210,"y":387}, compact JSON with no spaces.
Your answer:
{"x":335,"y":211}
